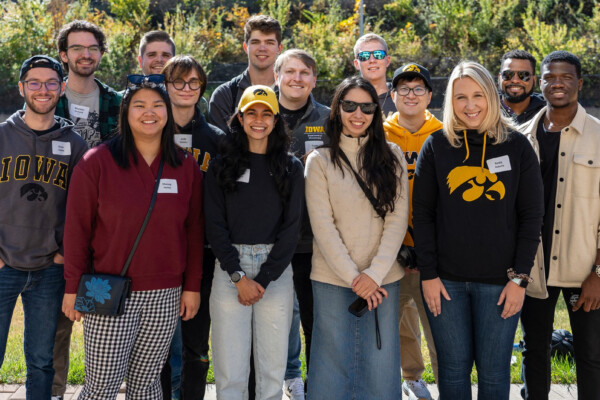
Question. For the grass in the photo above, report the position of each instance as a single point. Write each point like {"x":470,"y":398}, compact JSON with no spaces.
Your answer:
{"x":13,"y":367}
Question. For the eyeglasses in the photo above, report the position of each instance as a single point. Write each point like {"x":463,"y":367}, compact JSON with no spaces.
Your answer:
{"x":51,"y":86}
{"x":149,"y":81}
{"x":350,"y":106}
{"x":77,"y":48}
{"x":366,"y":55}
{"x":179,"y":84}
{"x":417,"y":90}
{"x":508,"y":74}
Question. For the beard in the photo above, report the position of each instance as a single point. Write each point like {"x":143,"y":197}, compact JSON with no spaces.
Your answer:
{"x":73,"y":67}
{"x":46,"y":109}
{"x":516,"y":99}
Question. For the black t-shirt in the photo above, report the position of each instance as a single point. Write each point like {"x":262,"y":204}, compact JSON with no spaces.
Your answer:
{"x":549,"y":143}
{"x":291,"y":117}
{"x":41,"y":133}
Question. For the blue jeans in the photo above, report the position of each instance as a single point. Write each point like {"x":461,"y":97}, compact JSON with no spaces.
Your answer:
{"x":41,"y":293}
{"x":470,"y":329}
{"x":294,"y":346}
{"x":176,"y":362}
{"x":266,"y":323}
{"x":345,"y":361}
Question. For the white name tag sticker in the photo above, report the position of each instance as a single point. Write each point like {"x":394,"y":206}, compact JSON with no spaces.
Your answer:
{"x":182,"y":140}
{"x":498,"y":164}
{"x":78,"y":111}
{"x":167,"y":186}
{"x":245,"y":178}
{"x":61,"y":148}
{"x":311,"y":144}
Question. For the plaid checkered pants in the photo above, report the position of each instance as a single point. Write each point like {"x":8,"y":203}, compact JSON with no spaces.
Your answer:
{"x":134,"y":346}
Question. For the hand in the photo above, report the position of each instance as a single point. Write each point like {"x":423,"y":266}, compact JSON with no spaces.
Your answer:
{"x":512,"y":296}
{"x":410,"y":271}
{"x":189,"y":304}
{"x":431,"y":292}
{"x":68,"y":307}
{"x":58,"y":259}
{"x":2,"y":264}
{"x":364,"y":286}
{"x":249,"y":291}
{"x":590,"y":294}
{"x":376,"y":298}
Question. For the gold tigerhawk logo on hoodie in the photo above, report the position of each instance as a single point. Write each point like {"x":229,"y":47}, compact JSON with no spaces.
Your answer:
{"x":481,"y":181}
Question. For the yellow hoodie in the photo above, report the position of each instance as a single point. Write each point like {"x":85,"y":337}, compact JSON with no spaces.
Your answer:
{"x":410,"y":143}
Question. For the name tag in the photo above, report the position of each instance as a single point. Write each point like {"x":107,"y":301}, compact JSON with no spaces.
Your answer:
{"x":182,"y":140}
{"x":167,"y":186}
{"x":499,"y":164}
{"x":245,"y":178}
{"x":78,"y":111}
{"x":311,"y":144}
{"x":61,"y":148}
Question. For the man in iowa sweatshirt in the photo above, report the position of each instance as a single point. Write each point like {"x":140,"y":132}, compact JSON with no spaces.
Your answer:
{"x":38,"y":152}
{"x":408,"y":128}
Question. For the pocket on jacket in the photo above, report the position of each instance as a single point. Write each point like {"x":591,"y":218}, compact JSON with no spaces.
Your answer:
{"x":586,"y":175}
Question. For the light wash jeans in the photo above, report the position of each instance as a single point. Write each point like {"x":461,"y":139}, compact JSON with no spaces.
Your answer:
{"x":345,"y":363}
{"x":267,"y":323}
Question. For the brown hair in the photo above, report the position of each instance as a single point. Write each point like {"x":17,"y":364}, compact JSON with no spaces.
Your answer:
{"x":262,"y":23}
{"x":155,"y":36}
{"x":179,"y":66}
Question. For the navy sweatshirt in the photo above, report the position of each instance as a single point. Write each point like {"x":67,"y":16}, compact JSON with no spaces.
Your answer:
{"x":476,"y":214}
{"x":255,"y":214}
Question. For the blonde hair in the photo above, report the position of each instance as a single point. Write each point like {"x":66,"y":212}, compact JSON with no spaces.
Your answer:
{"x":496,"y":123}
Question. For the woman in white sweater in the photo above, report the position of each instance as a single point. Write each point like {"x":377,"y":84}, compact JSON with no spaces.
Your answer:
{"x":355,"y":247}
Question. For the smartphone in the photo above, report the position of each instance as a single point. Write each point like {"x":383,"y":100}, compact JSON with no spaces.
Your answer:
{"x":359,"y":307}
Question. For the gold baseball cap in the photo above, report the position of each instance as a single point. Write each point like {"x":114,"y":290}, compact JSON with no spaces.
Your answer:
{"x":259,"y":94}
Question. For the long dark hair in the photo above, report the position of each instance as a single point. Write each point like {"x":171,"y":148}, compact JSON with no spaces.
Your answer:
{"x":123,"y":144}
{"x":376,"y":161}
{"x":234,"y":157}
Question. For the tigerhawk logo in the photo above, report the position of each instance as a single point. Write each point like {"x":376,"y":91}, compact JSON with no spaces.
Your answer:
{"x":411,"y":68}
{"x":260,"y":92}
{"x":481,"y":180}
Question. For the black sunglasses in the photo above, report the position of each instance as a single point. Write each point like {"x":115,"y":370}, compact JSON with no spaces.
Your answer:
{"x":151,"y":81}
{"x":351,"y":106}
{"x":508,"y":74}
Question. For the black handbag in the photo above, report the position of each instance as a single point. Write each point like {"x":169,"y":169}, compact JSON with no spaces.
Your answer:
{"x":105,"y":294}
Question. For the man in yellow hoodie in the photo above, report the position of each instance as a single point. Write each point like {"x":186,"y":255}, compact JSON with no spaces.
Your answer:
{"x":408,"y":128}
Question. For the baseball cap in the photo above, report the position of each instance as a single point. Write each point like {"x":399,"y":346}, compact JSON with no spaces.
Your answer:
{"x":412,"y":70}
{"x":41,"y":61}
{"x":259,"y":94}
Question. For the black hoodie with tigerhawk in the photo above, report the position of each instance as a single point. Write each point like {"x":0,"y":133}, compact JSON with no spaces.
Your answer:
{"x":34,"y":176}
{"x":477,"y":209}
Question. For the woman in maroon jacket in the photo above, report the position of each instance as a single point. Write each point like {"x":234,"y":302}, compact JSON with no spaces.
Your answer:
{"x":108,"y":200}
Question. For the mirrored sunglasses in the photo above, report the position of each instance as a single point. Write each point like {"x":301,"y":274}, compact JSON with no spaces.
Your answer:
{"x":508,"y":74}
{"x":366,"y":55}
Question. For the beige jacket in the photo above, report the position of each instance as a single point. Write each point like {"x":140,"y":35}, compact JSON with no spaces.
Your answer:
{"x":349,"y":236}
{"x":577,"y":217}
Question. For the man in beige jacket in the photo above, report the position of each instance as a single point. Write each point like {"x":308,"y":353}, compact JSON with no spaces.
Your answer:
{"x":567,"y":141}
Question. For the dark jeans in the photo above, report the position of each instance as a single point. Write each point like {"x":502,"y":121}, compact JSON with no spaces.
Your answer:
{"x":195,"y":334}
{"x":537,"y":320}
{"x":301,"y":266}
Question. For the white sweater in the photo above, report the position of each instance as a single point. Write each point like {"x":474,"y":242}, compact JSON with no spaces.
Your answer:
{"x":349,"y":237}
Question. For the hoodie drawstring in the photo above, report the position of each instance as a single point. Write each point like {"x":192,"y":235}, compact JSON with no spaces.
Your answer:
{"x":482,"y":154}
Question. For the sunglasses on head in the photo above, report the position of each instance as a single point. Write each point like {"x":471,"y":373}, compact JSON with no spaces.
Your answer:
{"x":508,"y":74}
{"x":366,"y":55}
{"x":151,"y":81}
{"x":351,"y":106}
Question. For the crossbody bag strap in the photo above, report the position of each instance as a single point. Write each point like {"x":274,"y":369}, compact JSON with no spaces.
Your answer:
{"x":139,"y":236}
{"x":362,"y":185}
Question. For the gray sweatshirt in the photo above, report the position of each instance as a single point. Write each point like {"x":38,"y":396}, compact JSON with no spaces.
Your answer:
{"x":34,"y":176}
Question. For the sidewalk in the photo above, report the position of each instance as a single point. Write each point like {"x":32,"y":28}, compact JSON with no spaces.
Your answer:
{"x":17,"y":392}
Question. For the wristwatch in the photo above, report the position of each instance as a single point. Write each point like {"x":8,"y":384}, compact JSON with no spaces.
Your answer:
{"x":521,"y":282}
{"x":237,"y":276}
{"x":596,"y":269}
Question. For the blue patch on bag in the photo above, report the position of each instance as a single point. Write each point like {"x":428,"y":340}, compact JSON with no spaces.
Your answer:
{"x":84,"y":304}
{"x":98,"y":289}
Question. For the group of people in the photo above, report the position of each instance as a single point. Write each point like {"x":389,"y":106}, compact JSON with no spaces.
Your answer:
{"x":360,"y":221}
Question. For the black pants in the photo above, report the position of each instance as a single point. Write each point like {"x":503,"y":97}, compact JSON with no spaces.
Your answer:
{"x":195,"y":334}
{"x":537,"y":318}
{"x":301,"y":266}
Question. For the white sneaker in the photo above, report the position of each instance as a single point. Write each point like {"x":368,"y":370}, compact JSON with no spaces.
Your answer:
{"x":416,"y":390}
{"x":294,"y":388}
{"x":56,"y":398}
